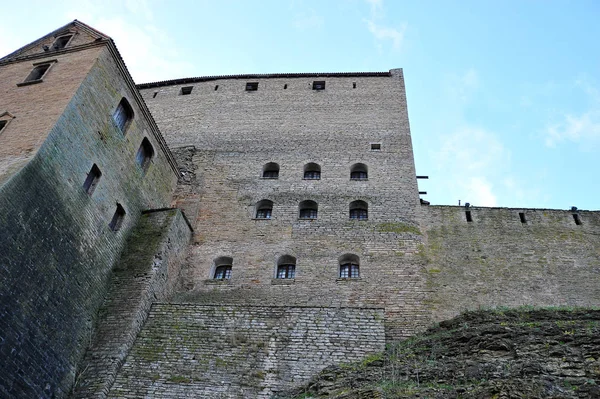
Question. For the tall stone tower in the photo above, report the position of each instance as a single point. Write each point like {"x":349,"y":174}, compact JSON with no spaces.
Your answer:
{"x":301,"y":188}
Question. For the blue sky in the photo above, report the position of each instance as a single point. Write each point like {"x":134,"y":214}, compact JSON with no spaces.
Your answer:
{"x":503,"y":96}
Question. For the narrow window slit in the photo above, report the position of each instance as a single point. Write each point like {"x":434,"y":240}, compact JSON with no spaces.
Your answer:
{"x":285,"y":86}
{"x":117,"y":219}
{"x":216,"y":87}
{"x":92,"y":180}
{"x":354,"y":85}
{"x":155,"y":94}
{"x":522,"y":217}
{"x":577,"y":219}
{"x":468,"y":215}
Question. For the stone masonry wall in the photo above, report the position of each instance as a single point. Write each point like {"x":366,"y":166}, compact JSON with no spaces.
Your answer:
{"x":195,"y":351}
{"x":57,"y":249}
{"x":222,"y":139}
{"x":146,"y":272}
{"x":496,"y":260}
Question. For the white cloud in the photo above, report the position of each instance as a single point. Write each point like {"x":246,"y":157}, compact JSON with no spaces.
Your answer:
{"x":468,"y":161}
{"x":575,"y":128}
{"x":381,"y":32}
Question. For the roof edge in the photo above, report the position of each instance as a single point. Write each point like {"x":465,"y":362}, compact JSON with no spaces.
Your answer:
{"x":263,"y":76}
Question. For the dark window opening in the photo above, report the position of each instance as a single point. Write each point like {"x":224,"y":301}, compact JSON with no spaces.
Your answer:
{"x":123,"y":115}
{"x":376,"y":147}
{"x":61,"y":42}
{"x":216,"y":87}
{"x":312,"y":171}
{"x":223,"y":272}
{"x":359,"y":171}
{"x":468,"y":215}
{"x":155,"y":94}
{"x":577,"y":219}
{"x":92,"y":180}
{"x":145,"y":154}
{"x":522,"y":217}
{"x":117,"y":219}
{"x":2,"y":124}
{"x":359,"y":210}
{"x":264,"y":209}
{"x":308,"y":210}
{"x":318,"y":85}
{"x":286,"y":267}
{"x":251,"y":86}
{"x":186,"y":90}
{"x":354,"y":85}
{"x":285,"y":86}
{"x":37,"y":73}
{"x":271,"y":171}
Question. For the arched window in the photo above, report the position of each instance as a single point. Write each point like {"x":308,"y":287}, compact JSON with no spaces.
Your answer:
{"x":271,"y":171}
{"x":359,"y":171}
{"x":223,"y":268}
{"x":145,"y":154}
{"x":264,"y":208}
{"x":349,"y":266}
{"x":286,"y":267}
{"x":359,"y":210}
{"x":312,"y":171}
{"x":308,"y":210}
{"x":123,"y":115}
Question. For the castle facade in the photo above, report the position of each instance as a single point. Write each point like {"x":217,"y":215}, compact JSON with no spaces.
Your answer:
{"x":230,"y":236}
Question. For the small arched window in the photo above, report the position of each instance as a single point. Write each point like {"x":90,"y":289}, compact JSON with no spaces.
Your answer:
{"x":264,"y":208}
{"x":312,"y":171}
{"x":123,"y":115}
{"x":359,"y":210}
{"x":349,"y":266}
{"x":308,"y":210}
{"x":145,"y":154}
{"x":271,"y":171}
{"x":223,"y":268}
{"x":286,"y":267}
{"x":359,"y":172}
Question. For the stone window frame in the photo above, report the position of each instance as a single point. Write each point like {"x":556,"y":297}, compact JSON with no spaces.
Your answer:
{"x":57,"y":41}
{"x":37,"y":66}
{"x":145,"y":154}
{"x":349,"y":267}
{"x":312,"y":171}
{"x":5,"y":119}
{"x":263,"y":210}
{"x":359,"y":171}
{"x":358,"y":210}
{"x":308,"y":210}
{"x":92,"y":180}
{"x":286,"y":267}
{"x":223,"y":267}
{"x":123,"y":115}
{"x":270,"y":170}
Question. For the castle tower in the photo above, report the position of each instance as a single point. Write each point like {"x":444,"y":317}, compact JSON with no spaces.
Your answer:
{"x":80,"y":158}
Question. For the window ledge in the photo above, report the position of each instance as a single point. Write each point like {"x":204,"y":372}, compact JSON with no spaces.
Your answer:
{"x":304,"y":178}
{"x":269,"y":178}
{"x":359,"y":179}
{"x":31,"y":82}
{"x":214,"y":281}
{"x":267,"y":219}
{"x":310,"y":220}
{"x":349,"y":280}
{"x":283,"y":281}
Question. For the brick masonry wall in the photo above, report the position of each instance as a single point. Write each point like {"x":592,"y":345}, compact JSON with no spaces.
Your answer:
{"x":195,"y":351}
{"x":145,"y":273}
{"x":57,"y":247}
{"x":37,"y":107}
{"x":496,"y":260}
{"x":222,"y":138}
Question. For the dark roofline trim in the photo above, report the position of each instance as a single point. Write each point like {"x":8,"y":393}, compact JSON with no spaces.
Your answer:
{"x":263,"y":76}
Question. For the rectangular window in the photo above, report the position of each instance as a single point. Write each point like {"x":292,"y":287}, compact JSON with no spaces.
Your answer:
{"x":375,"y":146}
{"x":92,"y":180}
{"x":186,"y":90}
{"x":468,"y":216}
{"x":37,"y":74}
{"x":318,"y":85}
{"x":522,"y":217}
{"x":251,"y":86}
{"x":2,"y":124}
{"x":61,"y":42}
{"x":577,"y":219}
